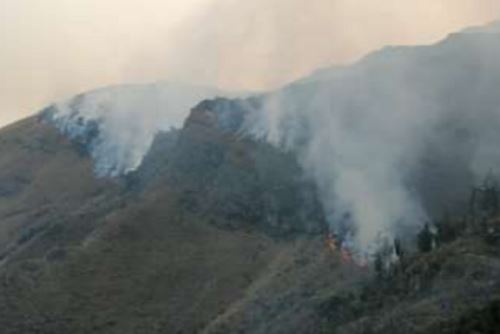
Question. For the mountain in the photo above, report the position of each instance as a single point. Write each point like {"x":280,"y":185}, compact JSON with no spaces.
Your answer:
{"x":492,"y":28}
{"x":82,"y":235}
{"x":405,"y":132}
{"x":144,"y":209}
{"x":118,"y":124}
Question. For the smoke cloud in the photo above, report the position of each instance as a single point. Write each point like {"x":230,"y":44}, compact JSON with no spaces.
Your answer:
{"x":118,"y":125}
{"x":364,"y":132}
{"x":358,"y":130}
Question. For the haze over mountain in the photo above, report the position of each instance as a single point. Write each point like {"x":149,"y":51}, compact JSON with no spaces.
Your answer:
{"x":365,"y":129}
{"x":361,"y":131}
{"x":159,"y":209}
{"x":56,"y":49}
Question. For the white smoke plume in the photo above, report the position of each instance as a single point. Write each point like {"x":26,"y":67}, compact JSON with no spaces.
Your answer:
{"x":119,"y":123}
{"x":359,"y":131}
{"x":362,"y":131}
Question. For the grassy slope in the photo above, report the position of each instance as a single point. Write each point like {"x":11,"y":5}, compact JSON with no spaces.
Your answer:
{"x":112,"y":262}
{"x":43,"y":179}
{"x":149,"y":268}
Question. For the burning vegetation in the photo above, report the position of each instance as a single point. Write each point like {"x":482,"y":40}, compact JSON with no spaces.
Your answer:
{"x":391,"y":255}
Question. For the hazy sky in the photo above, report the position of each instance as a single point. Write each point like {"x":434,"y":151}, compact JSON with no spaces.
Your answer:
{"x":51,"y":49}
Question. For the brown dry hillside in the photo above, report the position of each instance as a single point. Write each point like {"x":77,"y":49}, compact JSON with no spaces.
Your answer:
{"x":217,"y":232}
{"x":213,"y":234}
{"x":184,"y":253}
{"x":44,"y":179}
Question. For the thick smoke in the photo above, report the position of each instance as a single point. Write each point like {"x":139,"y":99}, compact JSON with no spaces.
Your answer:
{"x":373,"y":136}
{"x":363,"y":132}
{"x":118,"y":125}
{"x":356,"y":148}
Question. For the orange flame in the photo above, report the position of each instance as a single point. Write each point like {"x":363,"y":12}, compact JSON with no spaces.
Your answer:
{"x":345,"y":254}
{"x":331,"y":243}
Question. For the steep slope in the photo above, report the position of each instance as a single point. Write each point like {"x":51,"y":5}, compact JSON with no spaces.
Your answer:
{"x":165,"y":249}
{"x":453,"y":289}
{"x":44,"y":181}
{"x":218,"y":229}
{"x":396,"y":139}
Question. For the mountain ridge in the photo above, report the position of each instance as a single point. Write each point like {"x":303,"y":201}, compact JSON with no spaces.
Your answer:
{"x":234,"y":222}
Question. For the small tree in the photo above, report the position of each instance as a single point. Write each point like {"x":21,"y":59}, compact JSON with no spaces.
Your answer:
{"x":425,"y":239}
{"x":448,"y":228}
{"x":484,"y":199}
{"x":379,"y":265}
{"x":398,"y":248}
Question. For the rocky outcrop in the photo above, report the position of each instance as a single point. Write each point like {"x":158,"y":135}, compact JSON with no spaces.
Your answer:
{"x":231,"y":178}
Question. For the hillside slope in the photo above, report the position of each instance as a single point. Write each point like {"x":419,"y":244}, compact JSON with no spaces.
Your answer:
{"x":224,"y":226}
{"x":157,"y":251}
{"x":44,"y":180}
{"x":152,"y":257}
